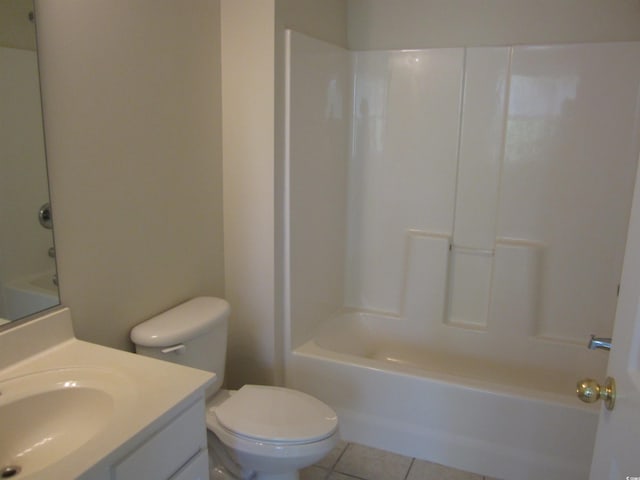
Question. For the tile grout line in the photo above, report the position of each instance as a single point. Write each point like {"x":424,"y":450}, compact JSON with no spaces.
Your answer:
{"x":331,"y":469}
{"x":406,"y":475}
{"x":335,"y":464}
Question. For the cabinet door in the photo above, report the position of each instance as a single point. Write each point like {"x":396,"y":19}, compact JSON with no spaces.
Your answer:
{"x":162,"y":455}
{"x":196,"y":469}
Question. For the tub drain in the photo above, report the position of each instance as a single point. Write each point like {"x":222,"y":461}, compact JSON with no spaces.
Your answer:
{"x":9,"y":471}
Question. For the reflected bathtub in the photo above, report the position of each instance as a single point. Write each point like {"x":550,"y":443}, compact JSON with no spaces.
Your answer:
{"x":29,"y":294}
{"x":479,"y":416}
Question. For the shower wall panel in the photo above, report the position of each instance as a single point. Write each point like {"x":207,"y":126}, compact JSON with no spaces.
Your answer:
{"x":477,"y":186}
{"x":521,"y":159}
{"x":402,"y":171}
{"x":318,"y":93}
{"x":569,"y":167}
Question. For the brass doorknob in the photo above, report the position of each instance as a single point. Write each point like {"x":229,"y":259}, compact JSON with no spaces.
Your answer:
{"x":590,"y":391}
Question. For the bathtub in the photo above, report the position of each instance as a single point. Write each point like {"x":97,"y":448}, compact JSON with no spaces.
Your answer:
{"x":476,"y":415}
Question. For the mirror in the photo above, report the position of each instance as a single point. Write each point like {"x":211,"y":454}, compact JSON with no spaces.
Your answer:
{"x":28,"y":281}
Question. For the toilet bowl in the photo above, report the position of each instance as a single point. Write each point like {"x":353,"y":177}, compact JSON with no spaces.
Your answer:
{"x":257,"y":432}
{"x":272,"y":431}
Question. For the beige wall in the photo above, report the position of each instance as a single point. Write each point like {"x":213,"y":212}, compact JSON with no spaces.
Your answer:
{"x":247,"y":96}
{"x":384,"y":24}
{"x":132,"y":116}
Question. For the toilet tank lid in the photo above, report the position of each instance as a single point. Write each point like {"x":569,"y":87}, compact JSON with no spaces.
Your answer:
{"x":182,"y":323}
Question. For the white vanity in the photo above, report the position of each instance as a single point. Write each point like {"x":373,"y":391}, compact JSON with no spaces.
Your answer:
{"x":74,"y":410}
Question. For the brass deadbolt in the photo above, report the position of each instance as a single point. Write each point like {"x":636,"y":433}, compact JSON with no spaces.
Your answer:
{"x":590,"y":391}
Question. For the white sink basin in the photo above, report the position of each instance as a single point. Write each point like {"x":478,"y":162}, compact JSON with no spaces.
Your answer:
{"x":46,"y":415}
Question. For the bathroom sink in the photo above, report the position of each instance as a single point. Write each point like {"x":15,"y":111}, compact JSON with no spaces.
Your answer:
{"x":71,"y":409}
{"x":46,"y":415}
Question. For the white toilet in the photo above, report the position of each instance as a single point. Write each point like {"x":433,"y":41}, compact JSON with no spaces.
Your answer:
{"x":257,"y":432}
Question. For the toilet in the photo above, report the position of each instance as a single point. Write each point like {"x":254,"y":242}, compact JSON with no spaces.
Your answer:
{"x":257,"y":432}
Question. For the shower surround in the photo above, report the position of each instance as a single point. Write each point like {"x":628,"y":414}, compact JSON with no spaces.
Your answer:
{"x":455,"y":226}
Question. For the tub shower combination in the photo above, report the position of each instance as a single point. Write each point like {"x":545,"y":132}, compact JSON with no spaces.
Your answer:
{"x":455,"y":222}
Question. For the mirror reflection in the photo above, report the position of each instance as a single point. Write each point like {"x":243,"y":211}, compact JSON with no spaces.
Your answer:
{"x":28,"y":281}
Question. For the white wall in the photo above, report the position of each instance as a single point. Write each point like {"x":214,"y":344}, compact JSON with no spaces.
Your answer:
{"x":132,"y":114}
{"x":383,"y":24}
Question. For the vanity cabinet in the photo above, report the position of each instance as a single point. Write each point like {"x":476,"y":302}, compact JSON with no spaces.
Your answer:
{"x":172,"y":453}
{"x":177,"y":451}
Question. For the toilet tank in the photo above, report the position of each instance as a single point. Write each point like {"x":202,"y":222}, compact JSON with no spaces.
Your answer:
{"x":193,"y":334}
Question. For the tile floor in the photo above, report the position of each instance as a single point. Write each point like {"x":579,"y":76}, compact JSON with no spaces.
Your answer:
{"x":350,"y":461}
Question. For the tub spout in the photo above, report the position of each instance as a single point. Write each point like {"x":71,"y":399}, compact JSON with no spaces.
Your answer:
{"x":599,"y":342}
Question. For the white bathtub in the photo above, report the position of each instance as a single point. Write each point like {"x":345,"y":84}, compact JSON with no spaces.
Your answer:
{"x":481,"y":416}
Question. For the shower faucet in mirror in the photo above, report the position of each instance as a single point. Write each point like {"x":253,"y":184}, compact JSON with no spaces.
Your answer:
{"x":45,"y":217}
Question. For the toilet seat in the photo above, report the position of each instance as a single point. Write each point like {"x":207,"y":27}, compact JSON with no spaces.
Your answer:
{"x":273,"y":415}
{"x":240,"y":445}
{"x":268,"y":455}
